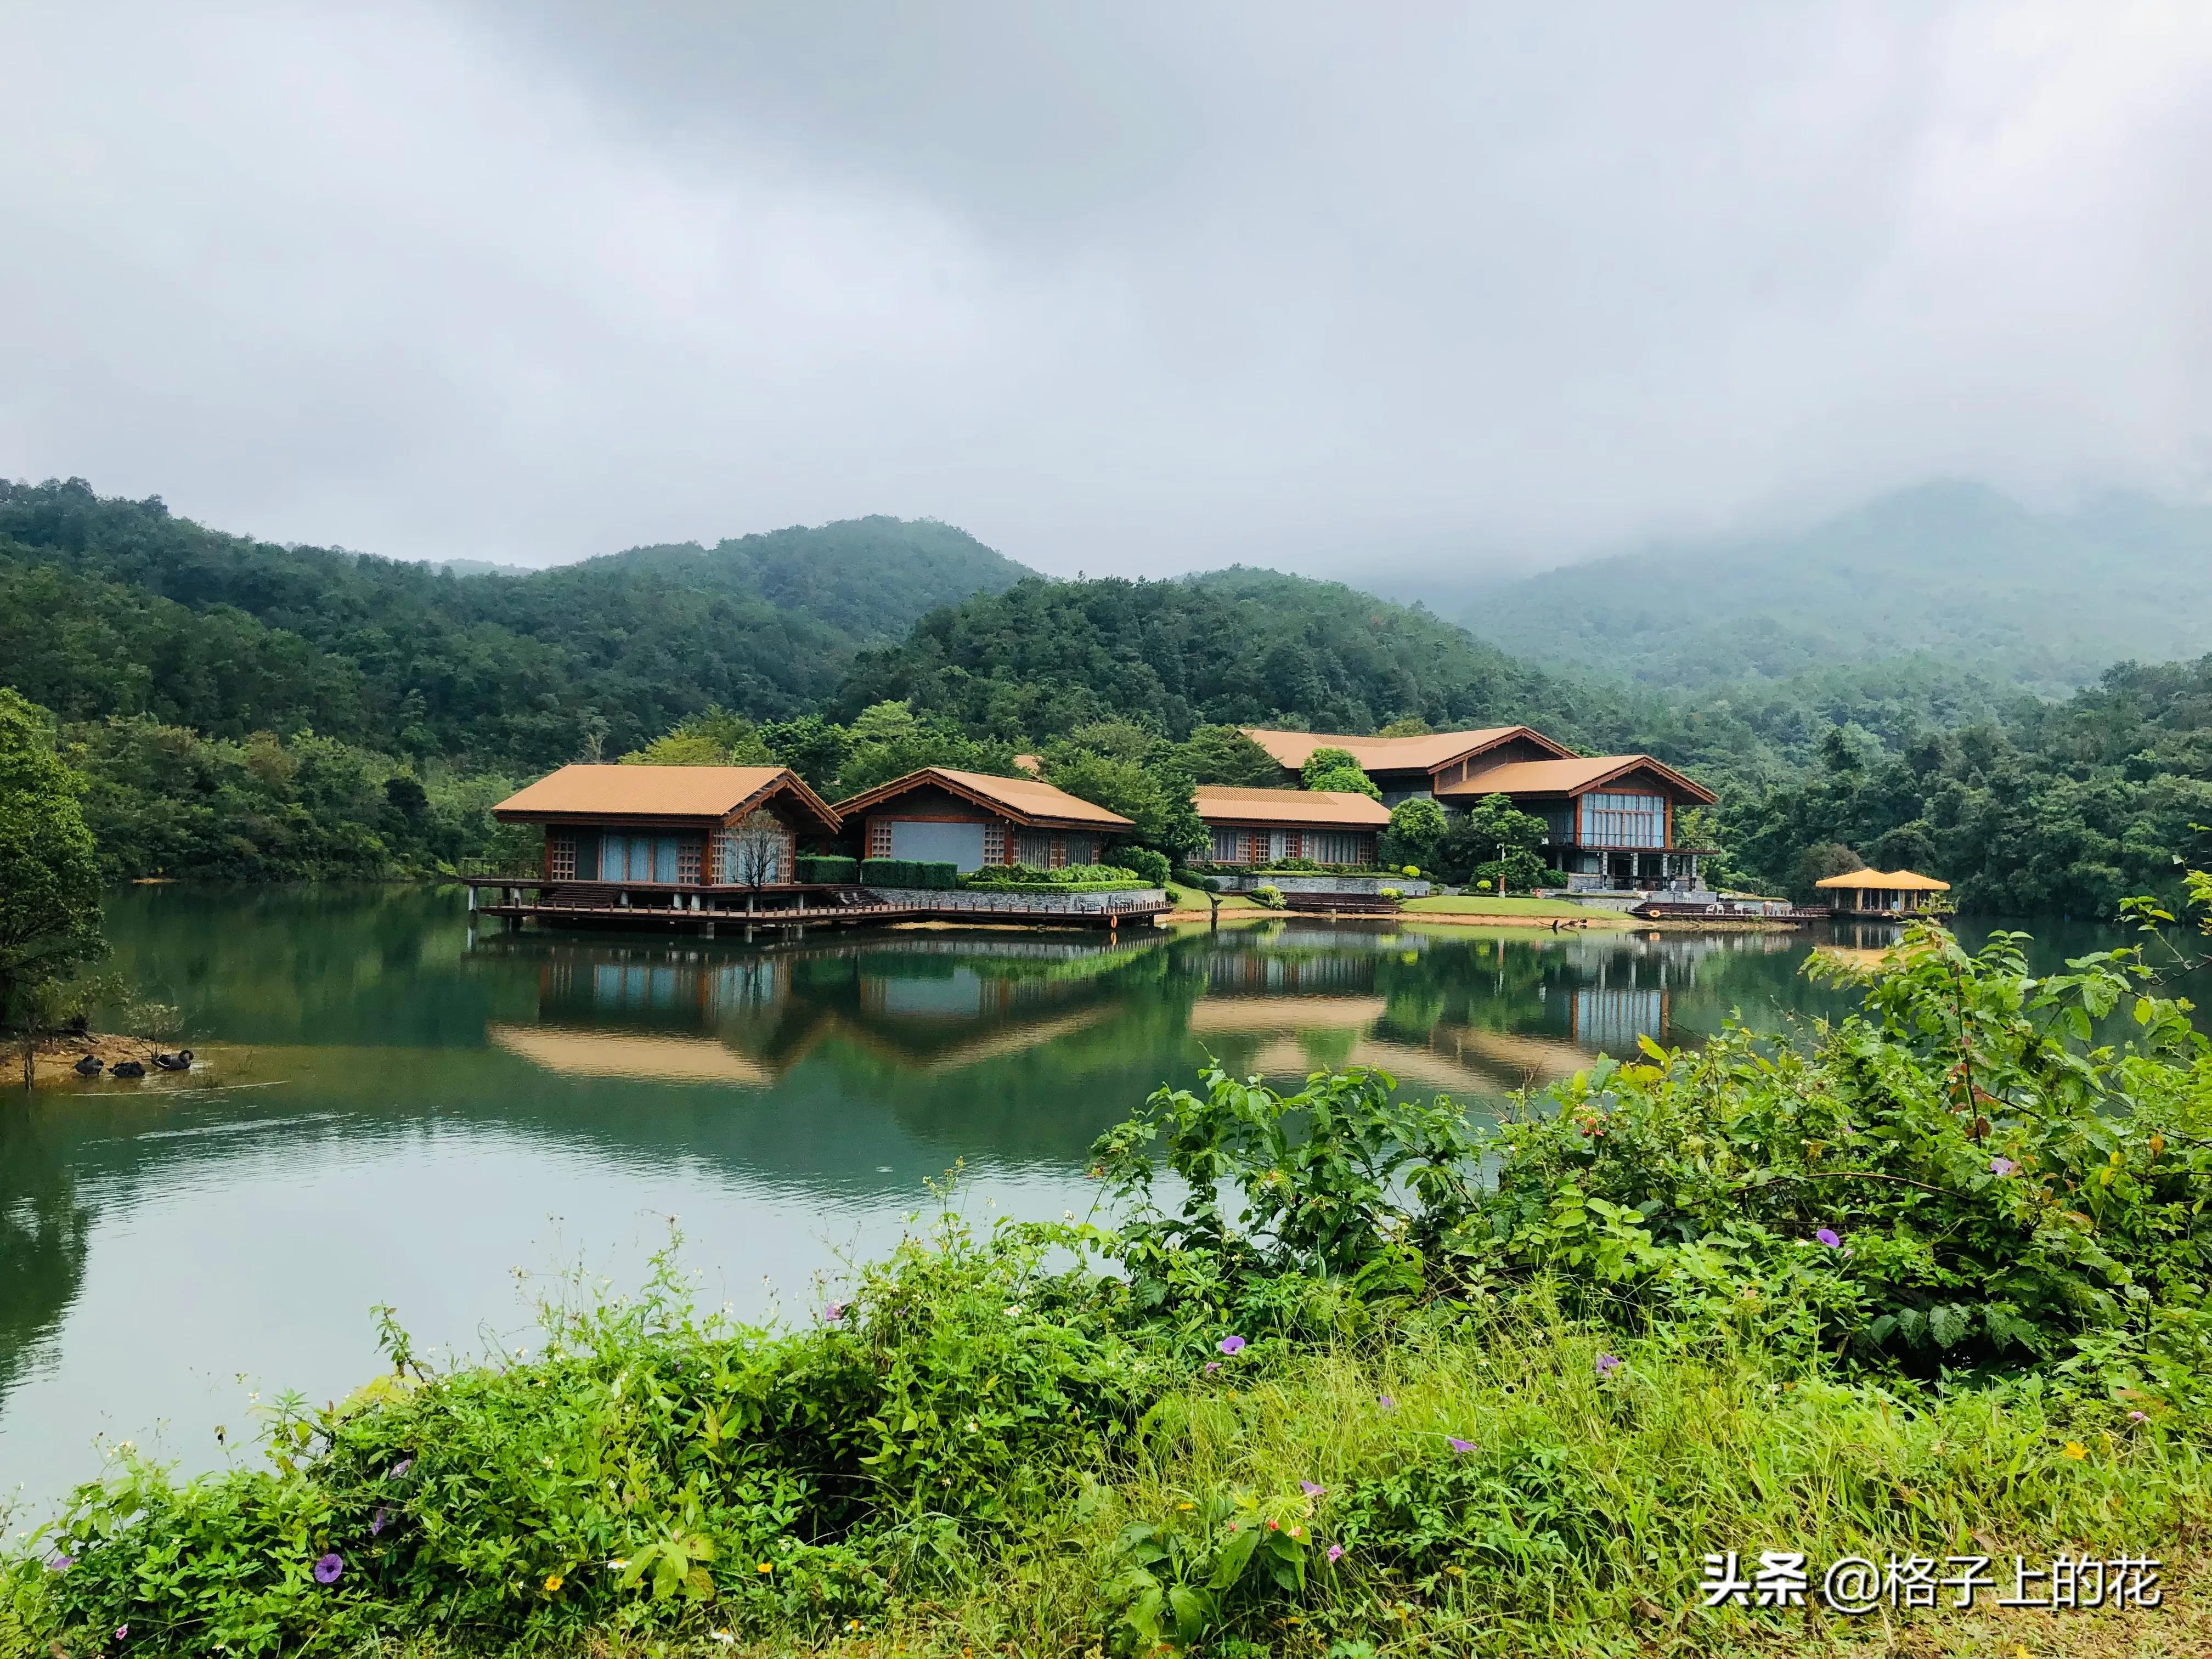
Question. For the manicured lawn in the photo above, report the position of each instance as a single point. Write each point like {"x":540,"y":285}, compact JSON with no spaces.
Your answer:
{"x":1478,"y":904}
{"x":1194,"y":898}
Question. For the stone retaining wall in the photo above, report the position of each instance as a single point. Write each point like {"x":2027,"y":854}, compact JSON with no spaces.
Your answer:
{"x":981,"y":903}
{"x":1292,"y":882}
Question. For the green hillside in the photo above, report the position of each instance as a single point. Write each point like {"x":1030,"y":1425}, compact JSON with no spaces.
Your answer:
{"x":1953,"y":572}
{"x":1236,"y":646}
{"x":115,"y":607}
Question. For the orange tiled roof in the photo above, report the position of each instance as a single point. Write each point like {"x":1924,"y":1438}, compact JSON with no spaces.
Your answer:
{"x":1424,"y":754}
{"x":1568,"y":777}
{"x":655,"y":792}
{"x":1026,"y":799}
{"x":1326,"y":808}
{"x":1896,"y":881}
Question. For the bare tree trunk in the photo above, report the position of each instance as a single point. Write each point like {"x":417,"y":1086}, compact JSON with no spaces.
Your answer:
{"x":30,"y":1059}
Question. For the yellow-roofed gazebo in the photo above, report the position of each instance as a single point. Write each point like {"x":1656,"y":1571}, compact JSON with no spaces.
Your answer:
{"x":1884,"y":893}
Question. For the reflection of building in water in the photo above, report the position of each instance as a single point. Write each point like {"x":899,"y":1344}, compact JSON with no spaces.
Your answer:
{"x":707,"y":1015}
{"x":1610,"y":1018}
{"x":1230,"y":973}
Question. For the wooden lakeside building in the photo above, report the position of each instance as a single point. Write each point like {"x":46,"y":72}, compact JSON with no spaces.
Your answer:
{"x":1610,"y":818}
{"x":693,"y":848}
{"x":971,"y":819}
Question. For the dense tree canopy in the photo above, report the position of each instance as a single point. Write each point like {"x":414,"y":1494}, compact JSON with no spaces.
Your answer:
{"x":49,"y":877}
{"x":2069,"y":807}
{"x":1242,"y":646}
{"x":117,"y":607}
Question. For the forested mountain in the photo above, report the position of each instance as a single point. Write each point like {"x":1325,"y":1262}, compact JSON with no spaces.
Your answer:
{"x":2067,"y":806}
{"x":243,"y":709}
{"x":1238,"y":645}
{"x":870,"y":579}
{"x":115,"y":607}
{"x":1956,"y":573}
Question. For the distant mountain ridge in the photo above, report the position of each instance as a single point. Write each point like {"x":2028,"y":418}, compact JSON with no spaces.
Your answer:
{"x":1954,"y":571}
{"x":110,"y":606}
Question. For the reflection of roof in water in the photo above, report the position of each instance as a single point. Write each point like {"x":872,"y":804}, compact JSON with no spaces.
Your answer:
{"x":1418,"y":1068}
{"x":623,"y":1054}
{"x":1003,"y":1038}
{"x":1216,"y":1013}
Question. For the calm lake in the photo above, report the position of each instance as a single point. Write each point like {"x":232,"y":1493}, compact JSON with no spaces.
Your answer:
{"x":388,"y":1110}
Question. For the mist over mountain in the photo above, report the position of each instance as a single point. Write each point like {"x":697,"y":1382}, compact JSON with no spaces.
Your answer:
{"x":1953,"y":572}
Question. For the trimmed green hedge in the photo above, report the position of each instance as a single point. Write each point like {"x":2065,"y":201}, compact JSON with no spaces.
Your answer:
{"x":827,"y":868}
{"x":1027,"y":877}
{"x":909,"y":873}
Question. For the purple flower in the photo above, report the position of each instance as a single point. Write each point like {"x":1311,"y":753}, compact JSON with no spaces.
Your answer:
{"x":833,"y":1313}
{"x":1310,"y":1490}
{"x":1212,"y":1366}
{"x":376,"y":1523}
{"x":122,"y":1631}
{"x":400,"y":1468}
{"x":1828,"y":1237}
{"x":1608,"y":1363}
{"x":2133,"y":1417}
{"x":2001,"y":1167}
{"x":60,"y":1562}
{"x":1232,"y":1345}
{"x":1461,"y":1446}
{"x":328,"y":1569}
{"x":1335,"y":1553}
{"x":1387,"y":1403}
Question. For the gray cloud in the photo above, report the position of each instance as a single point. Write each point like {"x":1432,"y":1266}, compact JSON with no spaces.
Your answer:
{"x":1126,"y":288}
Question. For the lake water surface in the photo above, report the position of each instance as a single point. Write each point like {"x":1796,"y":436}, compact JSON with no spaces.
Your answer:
{"x":390,"y":1110}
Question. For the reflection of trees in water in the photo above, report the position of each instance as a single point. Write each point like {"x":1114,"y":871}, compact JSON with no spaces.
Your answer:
{"x":44,"y":1234}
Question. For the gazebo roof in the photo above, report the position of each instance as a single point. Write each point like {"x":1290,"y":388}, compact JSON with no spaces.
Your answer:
{"x":1894,"y":881}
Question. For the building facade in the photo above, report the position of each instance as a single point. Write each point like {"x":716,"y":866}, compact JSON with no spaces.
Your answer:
{"x":1610,"y":819}
{"x":971,"y":820}
{"x":671,"y":827}
{"x":1259,"y":827}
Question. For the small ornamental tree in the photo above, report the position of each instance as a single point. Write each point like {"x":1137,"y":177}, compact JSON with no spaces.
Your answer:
{"x":1335,"y":770}
{"x":1224,"y":755}
{"x":50,"y":923}
{"x":1417,"y":828}
{"x":1492,"y":830}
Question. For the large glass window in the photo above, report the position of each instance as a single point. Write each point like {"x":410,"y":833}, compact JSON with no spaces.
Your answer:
{"x":1613,"y":820}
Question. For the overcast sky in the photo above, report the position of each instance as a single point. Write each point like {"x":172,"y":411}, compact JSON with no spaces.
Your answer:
{"x":1116,"y":286}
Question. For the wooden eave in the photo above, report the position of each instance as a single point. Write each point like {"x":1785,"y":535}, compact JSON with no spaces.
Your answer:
{"x":1559,"y":750}
{"x":860,"y":804}
{"x":1699,"y":795}
{"x":812,"y":803}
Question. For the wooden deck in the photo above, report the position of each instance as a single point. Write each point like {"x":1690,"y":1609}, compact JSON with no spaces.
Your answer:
{"x":725,"y":911}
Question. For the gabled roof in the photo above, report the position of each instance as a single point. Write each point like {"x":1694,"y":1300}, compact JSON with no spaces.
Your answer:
{"x":1333,"y":809}
{"x":1422,"y":754}
{"x":1896,"y":881}
{"x":693,"y":793}
{"x":1570,"y":777}
{"x":1026,"y":800}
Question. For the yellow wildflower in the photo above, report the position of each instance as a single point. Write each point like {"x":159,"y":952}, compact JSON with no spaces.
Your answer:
{"x":768,"y":1566}
{"x":552,"y":1582}
{"x":2076,"y":1450}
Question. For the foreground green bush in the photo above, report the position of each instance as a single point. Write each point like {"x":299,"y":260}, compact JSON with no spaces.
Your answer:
{"x":1931,"y":1282}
